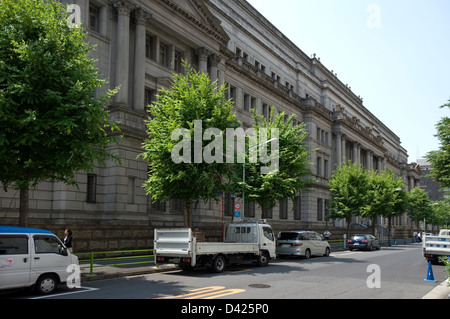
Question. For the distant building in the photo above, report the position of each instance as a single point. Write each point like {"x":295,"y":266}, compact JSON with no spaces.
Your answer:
{"x":429,"y":184}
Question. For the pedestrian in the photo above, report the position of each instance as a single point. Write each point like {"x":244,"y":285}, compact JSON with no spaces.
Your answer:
{"x":326,"y":234}
{"x":419,"y":237}
{"x":68,"y":240}
{"x":415,"y":235}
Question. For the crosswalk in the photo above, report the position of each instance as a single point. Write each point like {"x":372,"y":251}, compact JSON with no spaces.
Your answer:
{"x":212,"y":292}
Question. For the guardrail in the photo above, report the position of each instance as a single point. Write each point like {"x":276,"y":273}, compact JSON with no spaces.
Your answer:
{"x":91,"y":259}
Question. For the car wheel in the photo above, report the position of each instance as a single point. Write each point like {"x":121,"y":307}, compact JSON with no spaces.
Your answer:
{"x":218,"y":264}
{"x":307,"y":254}
{"x":327,"y":252}
{"x":46,"y":284}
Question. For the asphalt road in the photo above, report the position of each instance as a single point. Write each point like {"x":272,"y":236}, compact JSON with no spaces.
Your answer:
{"x":396,"y":272}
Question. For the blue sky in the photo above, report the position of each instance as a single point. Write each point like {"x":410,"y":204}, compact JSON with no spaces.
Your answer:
{"x":395,"y":54}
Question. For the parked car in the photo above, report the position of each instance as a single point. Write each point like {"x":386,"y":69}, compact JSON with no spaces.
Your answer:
{"x":367,"y":241}
{"x":33,"y":258}
{"x":301,"y":243}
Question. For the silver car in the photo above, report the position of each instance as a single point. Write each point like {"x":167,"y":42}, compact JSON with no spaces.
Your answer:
{"x":301,"y":243}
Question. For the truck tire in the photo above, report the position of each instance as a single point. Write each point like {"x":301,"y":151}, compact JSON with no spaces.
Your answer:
{"x":218,"y":264}
{"x":263,"y":259}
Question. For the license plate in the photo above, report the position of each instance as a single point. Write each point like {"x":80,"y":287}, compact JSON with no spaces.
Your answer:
{"x":355,"y":244}
{"x":176,"y":260}
{"x":285,"y":245}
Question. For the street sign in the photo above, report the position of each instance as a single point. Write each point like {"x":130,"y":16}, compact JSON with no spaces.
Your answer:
{"x":237,"y":214}
{"x":237,"y":206}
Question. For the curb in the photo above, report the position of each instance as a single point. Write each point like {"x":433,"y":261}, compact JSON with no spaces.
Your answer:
{"x":441,"y":291}
{"x":125,"y":273}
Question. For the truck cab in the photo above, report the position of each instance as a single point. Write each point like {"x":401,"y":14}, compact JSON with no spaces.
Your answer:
{"x":253,"y":231}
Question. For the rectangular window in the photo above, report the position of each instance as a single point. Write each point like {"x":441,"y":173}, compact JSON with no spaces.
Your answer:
{"x":247,"y":102}
{"x":319,"y":166}
{"x":284,"y":209}
{"x":163,"y":54}
{"x":47,"y":245}
{"x":325,"y":168}
{"x":13,"y":244}
{"x":298,"y":208}
{"x":249,"y":210}
{"x":91,"y":188}
{"x":319,"y":209}
{"x":178,"y":63}
{"x":94,"y":18}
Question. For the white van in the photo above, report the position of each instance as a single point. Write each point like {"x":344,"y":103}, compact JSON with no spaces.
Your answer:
{"x":33,"y":258}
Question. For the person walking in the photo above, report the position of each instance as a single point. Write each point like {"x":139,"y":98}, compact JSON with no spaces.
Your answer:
{"x":326,"y":234}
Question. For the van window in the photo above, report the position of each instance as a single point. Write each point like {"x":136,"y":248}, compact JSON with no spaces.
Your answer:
{"x":13,"y":244}
{"x":47,"y":244}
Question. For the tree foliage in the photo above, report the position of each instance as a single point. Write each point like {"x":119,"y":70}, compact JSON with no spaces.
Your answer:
{"x":440,"y":159}
{"x":51,"y":125}
{"x":420,"y":207}
{"x":348,"y":186}
{"x":289,"y":161}
{"x":191,"y":97}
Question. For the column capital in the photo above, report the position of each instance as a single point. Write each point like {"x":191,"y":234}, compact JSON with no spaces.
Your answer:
{"x":215,"y":59}
{"x":141,"y":16}
{"x":203,"y":53}
{"x":123,"y":7}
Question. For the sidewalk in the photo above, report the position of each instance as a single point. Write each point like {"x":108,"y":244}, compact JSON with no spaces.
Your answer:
{"x":110,"y":272}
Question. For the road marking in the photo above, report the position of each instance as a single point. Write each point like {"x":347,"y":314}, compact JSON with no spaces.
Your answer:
{"x":207,"y":293}
{"x":83,"y":289}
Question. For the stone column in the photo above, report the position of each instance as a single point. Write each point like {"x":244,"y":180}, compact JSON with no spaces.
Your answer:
{"x":123,"y":50}
{"x":215,"y":59}
{"x":203,"y":54}
{"x":338,"y":149}
{"x":343,"y":151}
{"x":355,"y":151}
{"x":139,"y":59}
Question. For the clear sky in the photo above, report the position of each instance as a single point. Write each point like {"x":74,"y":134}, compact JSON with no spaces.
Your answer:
{"x":395,"y":54}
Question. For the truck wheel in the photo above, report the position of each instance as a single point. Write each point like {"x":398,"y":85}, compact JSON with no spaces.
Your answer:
{"x":46,"y":284}
{"x":218,"y":264}
{"x":263,"y":259}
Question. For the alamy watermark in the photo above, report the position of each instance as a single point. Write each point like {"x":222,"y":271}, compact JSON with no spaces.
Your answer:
{"x":374,"y":19}
{"x":235,"y":141}
{"x":374,"y":279}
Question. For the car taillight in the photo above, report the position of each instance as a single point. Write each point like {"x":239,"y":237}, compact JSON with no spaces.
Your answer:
{"x":296,"y":245}
{"x":160,"y":258}
{"x":349,"y":241}
{"x":364,"y":241}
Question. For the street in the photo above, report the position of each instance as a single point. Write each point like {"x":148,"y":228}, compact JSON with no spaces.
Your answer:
{"x":396,"y":272}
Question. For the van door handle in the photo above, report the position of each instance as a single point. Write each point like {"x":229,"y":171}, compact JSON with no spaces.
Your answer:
{"x":36,"y":258}
{"x":25,"y":260}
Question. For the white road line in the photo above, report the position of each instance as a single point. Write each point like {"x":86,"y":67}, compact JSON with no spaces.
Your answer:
{"x":85,"y":289}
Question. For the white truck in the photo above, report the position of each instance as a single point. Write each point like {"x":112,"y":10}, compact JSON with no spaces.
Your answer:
{"x":435,"y":247}
{"x":245,"y":241}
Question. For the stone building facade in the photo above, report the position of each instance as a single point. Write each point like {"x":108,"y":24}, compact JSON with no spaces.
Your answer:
{"x":139,"y":44}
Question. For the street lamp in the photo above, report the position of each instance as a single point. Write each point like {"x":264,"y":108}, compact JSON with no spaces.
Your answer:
{"x":243,"y":174}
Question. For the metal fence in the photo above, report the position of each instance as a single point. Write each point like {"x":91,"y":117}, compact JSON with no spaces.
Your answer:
{"x":104,"y":261}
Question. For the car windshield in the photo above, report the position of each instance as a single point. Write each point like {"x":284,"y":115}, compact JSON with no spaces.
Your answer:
{"x":359,"y":237}
{"x":288,"y":236}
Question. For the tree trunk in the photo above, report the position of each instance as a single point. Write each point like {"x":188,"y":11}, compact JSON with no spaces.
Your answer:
{"x":23,"y":208}
{"x":187,"y":214}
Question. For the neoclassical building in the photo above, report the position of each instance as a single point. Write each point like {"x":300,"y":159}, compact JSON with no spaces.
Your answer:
{"x":139,"y":45}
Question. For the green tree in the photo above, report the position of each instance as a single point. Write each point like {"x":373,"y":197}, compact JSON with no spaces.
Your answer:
{"x":419,"y":208}
{"x":385,"y":197}
{"x":287,"y":164}
{"x":440,"y":159}
{"x":185,"y":141}
{"x":441,"y":213}
{"x":348,"y":186}
{"x":50,"y":125}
